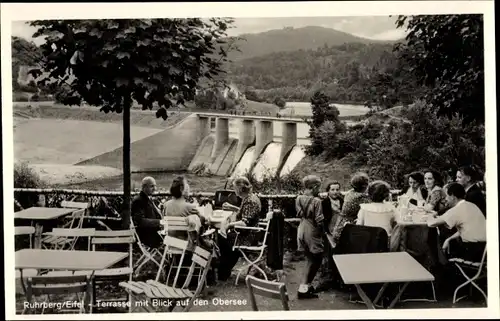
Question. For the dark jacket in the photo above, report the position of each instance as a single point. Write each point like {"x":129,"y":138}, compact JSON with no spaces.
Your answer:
{"x":146,"y":218}
{"x":275,"y":248}
{"x":327,"y":208}
{"x":475,"y":195}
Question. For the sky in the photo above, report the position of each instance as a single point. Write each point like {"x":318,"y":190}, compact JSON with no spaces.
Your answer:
{"x":372,"y":27}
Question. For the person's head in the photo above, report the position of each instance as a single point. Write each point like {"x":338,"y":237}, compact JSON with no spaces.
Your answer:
{"x":379,"y":191}
{"x":312,"y":185}
{"x":359,"y":182}
{"x":467,"y":175}
{"x":148,"y":185}
{"x":432,"y":178}
{"x":333,"y":189}
{"x":242,"y":186}
{"x":179,"y":187}
{"x":415,"y":180}
{"x":455,"y":192}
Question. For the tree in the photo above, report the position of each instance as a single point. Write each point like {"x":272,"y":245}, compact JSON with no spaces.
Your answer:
{"x":446,"y":53}
{"x":280,"y":102}
{"x":112,"y":62}
{"x":322,"y":111}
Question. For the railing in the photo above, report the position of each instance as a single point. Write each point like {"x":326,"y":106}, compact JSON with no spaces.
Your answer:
{"x":107,"y":205}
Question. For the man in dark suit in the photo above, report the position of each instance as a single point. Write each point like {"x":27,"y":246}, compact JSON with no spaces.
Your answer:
{"x":468,"y":177}
{"x":146,"y":215}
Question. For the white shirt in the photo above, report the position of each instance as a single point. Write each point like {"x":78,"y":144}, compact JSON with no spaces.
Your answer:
{"x":469,"y":221}
{"x":377,"y":215}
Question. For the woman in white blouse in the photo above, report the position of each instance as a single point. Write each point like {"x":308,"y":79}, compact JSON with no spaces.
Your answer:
{"x":378,"y":213}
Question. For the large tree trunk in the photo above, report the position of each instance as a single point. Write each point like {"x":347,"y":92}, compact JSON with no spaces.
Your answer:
{"x":126,"y":165}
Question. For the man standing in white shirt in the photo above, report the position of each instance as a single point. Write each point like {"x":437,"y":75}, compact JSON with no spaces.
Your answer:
{"x":469,"y":221}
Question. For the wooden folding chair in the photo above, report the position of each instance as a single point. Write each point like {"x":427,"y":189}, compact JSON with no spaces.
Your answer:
{"x":53,"y":241}
{"x":59,"y":285}
{"x":152,"y":289}
{"x":103,"y":238}
{"x":178,"y":247}
{"x":258,"y":249}
{"x":173,"y":224}
{"x":478,"y":267}
{"x":25,"y":230}
{"x":268,"y":289}
{"x":66,"y":238}
{"x":147,"y":254}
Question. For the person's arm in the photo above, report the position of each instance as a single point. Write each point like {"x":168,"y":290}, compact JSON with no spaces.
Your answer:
{"x":447,"y":219}
{"x":249,"y":215}
{"x":446,"y":244}
{"x":361,"y":217}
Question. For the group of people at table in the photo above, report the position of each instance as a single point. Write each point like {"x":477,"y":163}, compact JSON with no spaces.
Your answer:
{"x":459,"y":205}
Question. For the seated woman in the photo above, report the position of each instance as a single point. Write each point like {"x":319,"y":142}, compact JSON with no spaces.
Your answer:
{"x":378,"y":213}
{"x":178,"y":206}
{"x":436,"y":199}
{"x":416,"y":191}
{"x":311,"y":231}
{"x":246,"y":215}
{"x":351,"y":206}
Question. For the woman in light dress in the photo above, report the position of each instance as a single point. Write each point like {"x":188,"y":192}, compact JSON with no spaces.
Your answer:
{"x":379,"y":212}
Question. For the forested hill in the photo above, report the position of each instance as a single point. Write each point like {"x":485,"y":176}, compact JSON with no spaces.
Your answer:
{"x":291,"y":39}
{"x":344,"y":72}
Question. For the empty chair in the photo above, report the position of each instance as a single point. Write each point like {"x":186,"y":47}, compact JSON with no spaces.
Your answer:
{"x":25,"y":231}
{"x":478,"y":270}
{"x":268,"y":289}
{"x":258,"y":250}
{"x":103,"y":239}
{"x":66,"y":238}
{"x":57,"y":285}
{"x":176,"y":228}
{"x":151,"y":289}
{"x":62,"y":242}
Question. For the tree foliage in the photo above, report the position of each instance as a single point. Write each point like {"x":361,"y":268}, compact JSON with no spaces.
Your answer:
{"x":343,"y":72}
{"x":427,"y":140}
{"x":446,"y":53}
{"x":323,"y":112}
{"x":111,"y":62}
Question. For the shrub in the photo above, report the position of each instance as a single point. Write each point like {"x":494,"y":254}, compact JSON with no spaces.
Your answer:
{"x":18,"y":96}
{"x":427,"y":140}
{"x":26,"y":177}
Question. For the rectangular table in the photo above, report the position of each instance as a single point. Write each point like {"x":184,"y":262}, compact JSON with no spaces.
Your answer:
{"x":37,"y":214}
{"x":386,"y":268}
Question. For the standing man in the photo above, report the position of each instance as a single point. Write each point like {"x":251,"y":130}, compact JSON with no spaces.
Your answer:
{"x":146,"y":215}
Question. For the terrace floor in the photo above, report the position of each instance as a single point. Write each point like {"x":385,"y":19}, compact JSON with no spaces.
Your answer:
{"x":328,"y":300}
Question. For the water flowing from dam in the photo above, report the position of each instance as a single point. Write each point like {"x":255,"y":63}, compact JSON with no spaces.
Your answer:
{"x":245,"y":163}
{"x":293,"y":159}
{"x":268,"y":162}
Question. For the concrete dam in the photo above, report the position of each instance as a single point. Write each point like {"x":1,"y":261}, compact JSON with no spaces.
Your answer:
{"x":264,"y":146}
{"x":234,"y":146}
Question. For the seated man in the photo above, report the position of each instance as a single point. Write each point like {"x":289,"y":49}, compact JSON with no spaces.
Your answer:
{"x":469,"y":221}
{"x":146,"y":215}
